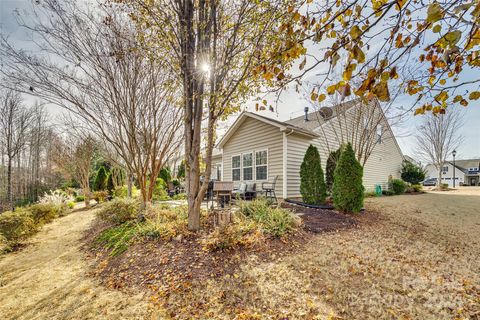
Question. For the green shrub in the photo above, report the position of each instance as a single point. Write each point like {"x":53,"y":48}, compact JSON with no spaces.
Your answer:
{"x":100,"y":182}
{"x":79,"y":198}
{"x":16,"y":226}
{"x":444,"y":186}
{"x":110,"y":185}
{"x":181,"y":170}
{"x":180,"y":196}
{"x":241,"y":232}
{"x":119,"y":211}
{"x":160,"y":193}
{"x":70,"y":205}
{"x":398,"y":186}
{"x":330,"y":168}
{"x":122,"y":192}
{"x":118,"y":238}
{"x":312,"y":183}
{"x":44,"y":212}
{"x":176,"y":183}
{"x":417,"y":187}
{"x":412,"y":173}
{"x":165,"y":174}
{"x":348,"y":190}
{"x":273,"y":221}
{"x":388,"y":192}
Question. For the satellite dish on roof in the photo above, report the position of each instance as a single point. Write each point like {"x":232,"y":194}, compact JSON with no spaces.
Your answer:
{"x":325,"y":112}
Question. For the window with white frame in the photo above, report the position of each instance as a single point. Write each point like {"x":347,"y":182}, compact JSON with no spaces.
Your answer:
{"x":261,"y":164}
{"x":247,"y":166}
{"x":236,"y":167}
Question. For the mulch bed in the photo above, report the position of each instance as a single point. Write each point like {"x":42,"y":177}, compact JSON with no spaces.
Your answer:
{"x":325,"y":220}
{"x":176,"y":264}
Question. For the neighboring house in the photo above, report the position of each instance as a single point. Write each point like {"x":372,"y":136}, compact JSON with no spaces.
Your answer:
{"x":257,"y":148}
{"x":467,"y":172}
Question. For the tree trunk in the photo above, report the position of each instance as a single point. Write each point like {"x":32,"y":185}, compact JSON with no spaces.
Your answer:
{"x":86,"y":194}
{"x":9,"y":183}
{"x":129,"y":185}
{"x":439,"y":182}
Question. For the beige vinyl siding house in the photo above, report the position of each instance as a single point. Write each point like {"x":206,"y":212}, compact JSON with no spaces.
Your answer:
{"x":287,"y":142}
{"x":254,"y":136}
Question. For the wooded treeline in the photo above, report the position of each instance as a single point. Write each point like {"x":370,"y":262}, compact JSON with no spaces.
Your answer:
{"x":27,"y":169}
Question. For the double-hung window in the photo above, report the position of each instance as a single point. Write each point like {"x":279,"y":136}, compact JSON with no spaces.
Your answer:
{"x":236,"y":168}
{"x":247,"y":166}
{"x":261,"y":160}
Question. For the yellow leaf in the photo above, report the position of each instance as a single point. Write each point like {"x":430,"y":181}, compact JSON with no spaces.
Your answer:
{"x":453,"y":37}
{"x":381,"y":91}
{"x":331,"y":89}
{"x":314,"y":96}
{"x":437,"y":28}
{"x":443,"y":81}
{"x":474,"y":95}
{"x":347,"y":74}
{"x":321,"y":97}
{"x":358,"y":54}
{"x":434,"y":12}
{"x":355,"y":32}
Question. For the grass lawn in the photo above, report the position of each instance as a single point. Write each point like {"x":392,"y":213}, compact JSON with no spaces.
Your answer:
{"x":420,"y":260}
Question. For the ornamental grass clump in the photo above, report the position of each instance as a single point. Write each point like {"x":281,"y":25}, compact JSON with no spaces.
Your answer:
{"x":274,"y":221}
{"x":348,"y":191}
{"x":312,"y":182}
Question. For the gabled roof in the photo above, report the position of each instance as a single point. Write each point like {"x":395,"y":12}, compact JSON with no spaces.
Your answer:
{"x":316,"y":119}
{"x":465,"y":164}
{"x":283,"y":126}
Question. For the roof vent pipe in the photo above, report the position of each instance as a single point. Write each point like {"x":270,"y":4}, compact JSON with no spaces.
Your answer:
{"x":306,"y":113}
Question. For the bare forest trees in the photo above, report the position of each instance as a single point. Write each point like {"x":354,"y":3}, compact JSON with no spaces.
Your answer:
{"x":437,"y":137}
{"x":26,"y":167}
{"x":97,"y":70}
{"x":15,"y":121}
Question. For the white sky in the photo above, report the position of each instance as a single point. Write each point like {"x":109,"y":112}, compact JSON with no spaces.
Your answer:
{"x":291,"y":104}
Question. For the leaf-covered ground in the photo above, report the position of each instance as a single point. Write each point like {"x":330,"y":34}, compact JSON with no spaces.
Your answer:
{"x":415,"y":257}
{"x":419,"y":259}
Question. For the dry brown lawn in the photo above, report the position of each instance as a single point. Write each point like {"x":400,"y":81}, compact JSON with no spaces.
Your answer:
{"x":420,"y":260}
{"x":49,"y":279}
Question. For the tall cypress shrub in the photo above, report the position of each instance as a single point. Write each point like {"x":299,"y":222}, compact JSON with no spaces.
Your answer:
{"x":330,"y":168}
{"x":348,"y":190}
{"x":100,"y":182}
{"x":312,"y":183}
{"x":110,"y":184}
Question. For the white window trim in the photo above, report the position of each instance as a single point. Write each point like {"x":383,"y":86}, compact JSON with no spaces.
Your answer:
{"x":263,"y":165}
{"x":232,"y":168}
{"x":252,"y":166}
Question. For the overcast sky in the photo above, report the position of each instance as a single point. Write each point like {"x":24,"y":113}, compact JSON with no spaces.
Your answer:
{"x":291,"y":104}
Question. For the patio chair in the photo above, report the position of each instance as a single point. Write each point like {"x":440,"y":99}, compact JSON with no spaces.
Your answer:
{"x":246,"y":191}
{"x":268,"y":188}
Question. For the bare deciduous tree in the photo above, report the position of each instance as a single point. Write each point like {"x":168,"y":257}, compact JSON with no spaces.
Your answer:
{"x":96,"y":70}
{"x":74,"y":157}
{"x":437,"y":137}
{"x":15,"y":120}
